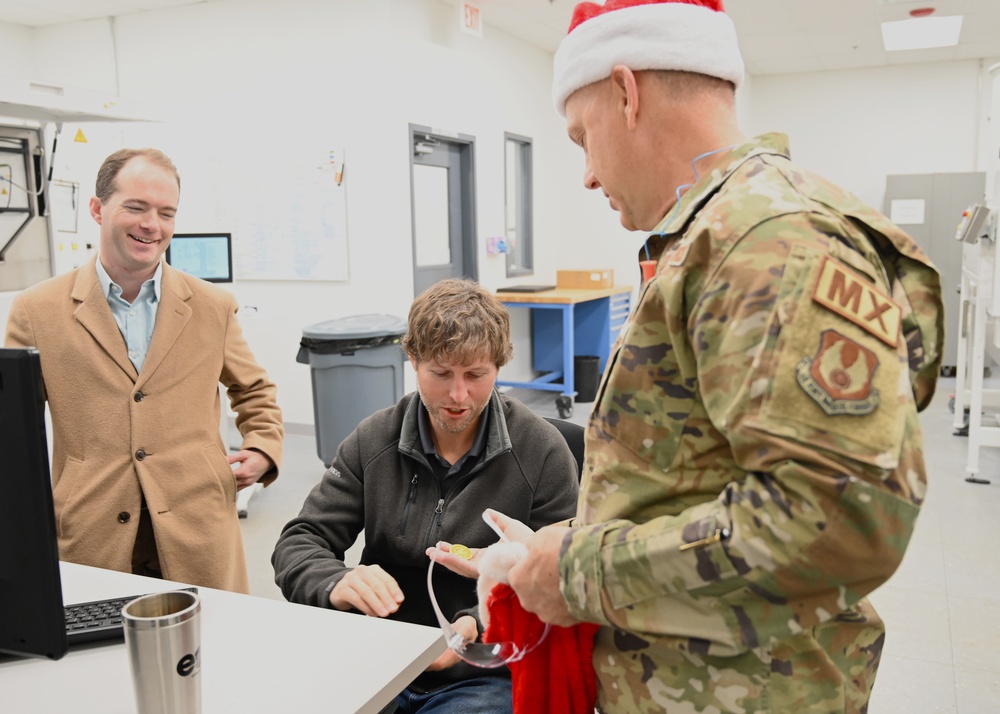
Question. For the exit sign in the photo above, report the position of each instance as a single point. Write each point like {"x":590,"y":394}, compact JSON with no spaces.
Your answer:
{"x":472,"y":19}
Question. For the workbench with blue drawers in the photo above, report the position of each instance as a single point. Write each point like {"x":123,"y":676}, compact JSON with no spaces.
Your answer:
{"x":567,"y":323}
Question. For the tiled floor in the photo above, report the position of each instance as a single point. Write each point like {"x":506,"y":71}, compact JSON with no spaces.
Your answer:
{"x":942,"y":607}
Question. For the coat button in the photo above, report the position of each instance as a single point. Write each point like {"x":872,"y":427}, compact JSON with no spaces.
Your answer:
{"x":137,"y":396}
{"x":124,"y":517}
{"x":140,"y":454}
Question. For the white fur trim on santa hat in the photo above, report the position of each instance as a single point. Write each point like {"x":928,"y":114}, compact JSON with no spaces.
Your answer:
{"x":670,"y":35}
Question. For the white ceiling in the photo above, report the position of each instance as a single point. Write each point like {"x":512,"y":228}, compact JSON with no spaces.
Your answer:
{"x":776,"y":36}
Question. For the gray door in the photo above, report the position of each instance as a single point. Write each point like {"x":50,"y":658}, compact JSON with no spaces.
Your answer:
{"x":443,"y":212}
{"x":944,"y":197}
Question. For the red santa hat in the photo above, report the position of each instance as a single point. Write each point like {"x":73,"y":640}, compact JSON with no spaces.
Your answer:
{"x":688,"y":35}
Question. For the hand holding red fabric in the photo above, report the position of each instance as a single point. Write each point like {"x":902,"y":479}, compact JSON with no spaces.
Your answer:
{"x":556,"y":676}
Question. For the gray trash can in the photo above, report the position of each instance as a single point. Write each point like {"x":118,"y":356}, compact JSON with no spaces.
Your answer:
{"x":357,"y":369}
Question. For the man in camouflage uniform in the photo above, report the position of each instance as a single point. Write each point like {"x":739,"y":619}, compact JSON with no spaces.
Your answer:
{"x":754,"y":460}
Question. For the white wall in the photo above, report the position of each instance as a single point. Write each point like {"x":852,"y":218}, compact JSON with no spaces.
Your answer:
{"x":16,"y":50}
{"x":302,"y":70}
{"x":856,"y":127}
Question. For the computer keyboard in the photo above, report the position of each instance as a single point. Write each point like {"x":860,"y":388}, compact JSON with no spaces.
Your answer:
{"x":98,"y":620}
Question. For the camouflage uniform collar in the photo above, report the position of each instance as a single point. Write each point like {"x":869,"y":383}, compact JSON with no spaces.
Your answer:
{"x":707,"y":185}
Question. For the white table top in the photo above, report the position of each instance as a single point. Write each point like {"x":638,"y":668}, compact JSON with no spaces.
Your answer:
{"x":257,"y":655}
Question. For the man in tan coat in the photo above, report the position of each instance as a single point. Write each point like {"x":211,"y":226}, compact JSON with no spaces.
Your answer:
{"x":132,"y":355}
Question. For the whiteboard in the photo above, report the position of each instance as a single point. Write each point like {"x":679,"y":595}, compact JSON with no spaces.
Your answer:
{"x":281,"y":194}
{"x":288,"y":217}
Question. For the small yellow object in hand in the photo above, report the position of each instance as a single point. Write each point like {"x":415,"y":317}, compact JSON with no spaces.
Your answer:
{"x":461,"y":551}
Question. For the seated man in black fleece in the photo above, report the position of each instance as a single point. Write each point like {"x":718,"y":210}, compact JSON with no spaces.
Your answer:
{"x":423,"y":472}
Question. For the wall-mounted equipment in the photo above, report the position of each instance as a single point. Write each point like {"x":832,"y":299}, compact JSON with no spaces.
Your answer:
{"x":971,"y":227}
{"x":25,"y":239}
{"x":17,"y":190}
{"x":38,"y":109}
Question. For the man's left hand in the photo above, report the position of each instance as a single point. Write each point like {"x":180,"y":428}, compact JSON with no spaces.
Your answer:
{"x":250,"y":465}
{"x":466,"y":567}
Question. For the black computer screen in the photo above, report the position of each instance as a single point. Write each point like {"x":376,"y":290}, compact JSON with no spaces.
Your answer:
{"x":208,"y":256}
{"x":31,"y":605}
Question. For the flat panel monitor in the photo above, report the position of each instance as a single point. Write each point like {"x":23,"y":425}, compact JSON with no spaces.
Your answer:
{"x":208,"y":256}
{"x":32,"y":622}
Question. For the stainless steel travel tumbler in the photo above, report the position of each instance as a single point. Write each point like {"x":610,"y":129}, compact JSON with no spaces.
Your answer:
{"x":163,"y":638}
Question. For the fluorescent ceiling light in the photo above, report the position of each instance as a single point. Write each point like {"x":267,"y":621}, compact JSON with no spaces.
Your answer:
{"x":920,"y":33}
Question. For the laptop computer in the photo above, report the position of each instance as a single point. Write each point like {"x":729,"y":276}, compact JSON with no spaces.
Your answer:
{"x":34,"y":621}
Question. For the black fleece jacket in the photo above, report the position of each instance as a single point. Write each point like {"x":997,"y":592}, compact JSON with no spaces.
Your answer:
{"x":380,"y":482}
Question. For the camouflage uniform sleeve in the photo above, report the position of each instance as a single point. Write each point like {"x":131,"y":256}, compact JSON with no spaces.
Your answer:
{"x":789,"y":484}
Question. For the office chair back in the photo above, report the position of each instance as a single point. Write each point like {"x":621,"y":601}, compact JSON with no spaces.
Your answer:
{"x":573,"y":434}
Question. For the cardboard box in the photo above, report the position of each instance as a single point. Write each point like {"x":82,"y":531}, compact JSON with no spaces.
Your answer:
{"x":585,"y":279}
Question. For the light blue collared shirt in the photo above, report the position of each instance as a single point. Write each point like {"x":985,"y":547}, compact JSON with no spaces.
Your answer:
{"x":136,"y":321}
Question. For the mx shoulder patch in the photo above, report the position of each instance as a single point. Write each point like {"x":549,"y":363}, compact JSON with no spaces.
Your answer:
{"x":846,"y":293}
